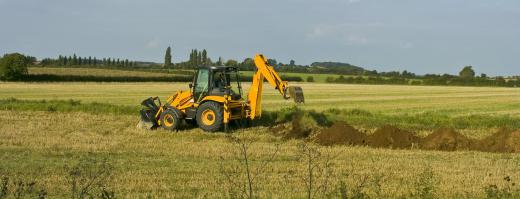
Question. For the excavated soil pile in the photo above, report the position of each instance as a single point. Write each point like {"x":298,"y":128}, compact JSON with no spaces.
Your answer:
{"x":502,"y":141}
{"x":297,"y":131}
{"x":447,"y":139}
{"x":393,"y":137}
{"x":444,"y":139}
{"x":293,"y":131}
{"x":341,"y":133}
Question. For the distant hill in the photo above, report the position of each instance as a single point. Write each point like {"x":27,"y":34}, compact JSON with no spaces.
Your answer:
{"x":343,"y":68}
{"x":146,"y":63}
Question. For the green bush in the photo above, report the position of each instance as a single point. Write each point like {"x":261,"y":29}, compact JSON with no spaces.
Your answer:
{"x":13,"y":66}
{"x":310,"y":79}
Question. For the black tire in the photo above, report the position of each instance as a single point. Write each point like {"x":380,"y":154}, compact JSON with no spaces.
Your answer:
{"x":210,"y":116}
{"x":248,"y":123}
{"x":170,"y":119}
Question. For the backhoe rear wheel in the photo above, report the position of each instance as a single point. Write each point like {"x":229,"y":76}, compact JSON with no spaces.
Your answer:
{"x":210,"y":116}
{"x":170,"y":119}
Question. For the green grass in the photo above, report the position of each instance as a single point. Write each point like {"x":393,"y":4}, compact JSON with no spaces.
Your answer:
{"x":13,"y":104}
{"x":385,"y":99}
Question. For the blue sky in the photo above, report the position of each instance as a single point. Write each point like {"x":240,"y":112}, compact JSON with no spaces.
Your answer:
{"x":421,"y":36}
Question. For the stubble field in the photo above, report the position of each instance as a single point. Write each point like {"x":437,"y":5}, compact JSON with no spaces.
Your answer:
{"x":46,"y":146}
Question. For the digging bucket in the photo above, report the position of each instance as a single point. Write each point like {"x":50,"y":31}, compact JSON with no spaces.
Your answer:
{"x":296,"y":93}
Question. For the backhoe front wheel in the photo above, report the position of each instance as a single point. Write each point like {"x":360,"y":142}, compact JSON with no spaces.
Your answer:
{"x":210,"y":116}
{"x":170,"y":119}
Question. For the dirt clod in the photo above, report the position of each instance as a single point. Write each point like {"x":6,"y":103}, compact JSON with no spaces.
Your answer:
{"x":341,"y":133}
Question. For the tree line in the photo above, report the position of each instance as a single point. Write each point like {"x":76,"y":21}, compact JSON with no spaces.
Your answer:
{"x":86,"y":61}
{"x":466,"y":77}
{"x":14,"y":67}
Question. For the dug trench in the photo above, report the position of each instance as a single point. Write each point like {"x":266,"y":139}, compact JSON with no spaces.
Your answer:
{"x":391,"y":137}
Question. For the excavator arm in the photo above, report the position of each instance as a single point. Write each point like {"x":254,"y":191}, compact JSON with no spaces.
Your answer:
{"x":266,"y":72}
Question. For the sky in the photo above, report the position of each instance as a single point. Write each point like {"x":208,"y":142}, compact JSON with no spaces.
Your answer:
{"x":422,"y":36}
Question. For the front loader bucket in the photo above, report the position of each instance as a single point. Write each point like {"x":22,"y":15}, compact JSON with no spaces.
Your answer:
{"x":147,"y":113}
{"x":296,"y":93}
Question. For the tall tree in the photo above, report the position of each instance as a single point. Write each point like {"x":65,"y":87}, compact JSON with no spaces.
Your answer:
{"x":60,"y":60}
{"x":74,"y":60}
{"x":220,"y":61}
{"x":168,"y":57}
{"x":195,"y":58}
{"x":204,"y":57}
{"x":199,"y":59}
{"x":191,"y":58}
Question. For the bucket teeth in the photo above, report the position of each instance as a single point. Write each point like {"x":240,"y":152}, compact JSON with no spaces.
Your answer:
{"x":296,"y":93}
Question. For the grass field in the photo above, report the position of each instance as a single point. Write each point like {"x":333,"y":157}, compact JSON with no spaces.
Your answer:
{"x":45,"y":146}
{"x":318,"y":78}
{"x":375,"y":98}
{"x":137,"y":73}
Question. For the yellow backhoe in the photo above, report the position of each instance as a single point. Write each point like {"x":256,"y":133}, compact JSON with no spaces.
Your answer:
{"x":215,"y":98}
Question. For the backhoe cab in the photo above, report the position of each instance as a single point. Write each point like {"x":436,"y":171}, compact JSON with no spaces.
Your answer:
{"x":215,"y":98}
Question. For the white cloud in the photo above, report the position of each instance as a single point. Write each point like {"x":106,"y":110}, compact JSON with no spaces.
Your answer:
{"x":154,"y":43}
{"x":347,"y":33}
{"x":356,"y":39}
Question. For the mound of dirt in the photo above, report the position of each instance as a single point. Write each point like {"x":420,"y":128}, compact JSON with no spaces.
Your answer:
{"x":444,"y":139}
{"x":290,"y":132}
{"x":293,"y":131}
{"x":340,"y":133}
{"x":503,"y":140}
{"x":447,"y":139}
{"x":393,"y":137}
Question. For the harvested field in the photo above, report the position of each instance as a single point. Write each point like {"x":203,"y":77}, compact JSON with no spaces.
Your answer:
{"x":51,"y":127}
{"x":44,"y":146}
